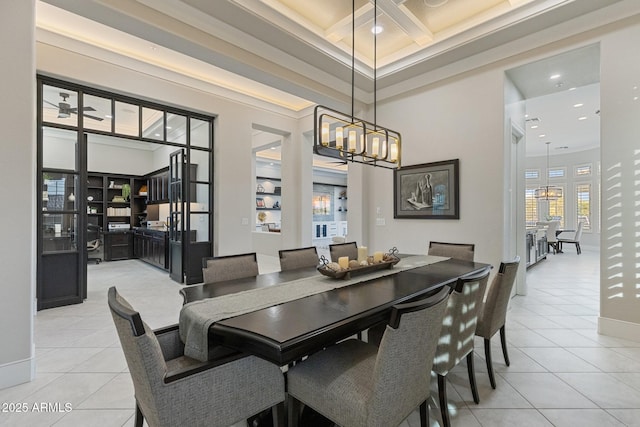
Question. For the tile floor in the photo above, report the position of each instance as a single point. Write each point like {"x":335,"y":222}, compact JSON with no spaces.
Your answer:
{"x":562,"y":372}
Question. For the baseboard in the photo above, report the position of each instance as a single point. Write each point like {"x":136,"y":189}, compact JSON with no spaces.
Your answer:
{"x":18,"y":372}
{"x":619,"y":329}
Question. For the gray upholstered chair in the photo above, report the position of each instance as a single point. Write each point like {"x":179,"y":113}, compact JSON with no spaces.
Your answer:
{"x":221,"y":268}
{"x":575,"y":240}
{"x":552,"y":235}
{"x":456,"y":336}
{"x":493,"y":311}
{"x":343,"y":249}
{"x":356,"y":384}
{"x":291,"y":259}
{"x":463,"y":251}
{"x":174,"y":390}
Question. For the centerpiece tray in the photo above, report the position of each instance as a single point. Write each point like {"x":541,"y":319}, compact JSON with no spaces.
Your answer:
{"x":347,"y":273}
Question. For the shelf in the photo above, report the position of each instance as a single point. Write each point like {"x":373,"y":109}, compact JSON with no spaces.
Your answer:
{"x":268,"y":194}
{"x":94,"y":201}
{"x":267,"y":209}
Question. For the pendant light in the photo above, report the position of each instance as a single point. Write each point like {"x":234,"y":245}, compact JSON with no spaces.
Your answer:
{"x":548,"y":192}
{"x":343,"y":136}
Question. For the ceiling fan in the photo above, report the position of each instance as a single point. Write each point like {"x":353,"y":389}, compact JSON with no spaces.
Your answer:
{"x":65,"y":110}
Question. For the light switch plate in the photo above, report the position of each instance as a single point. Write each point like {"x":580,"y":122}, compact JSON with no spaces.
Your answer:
{"x":380,"y":221}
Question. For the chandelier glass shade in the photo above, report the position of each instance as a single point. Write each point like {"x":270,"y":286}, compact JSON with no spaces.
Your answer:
{"x":348,"y":138}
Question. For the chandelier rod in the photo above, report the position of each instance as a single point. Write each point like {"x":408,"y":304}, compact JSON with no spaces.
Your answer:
{"x":375,"y":71}
{"x":353,"y":56}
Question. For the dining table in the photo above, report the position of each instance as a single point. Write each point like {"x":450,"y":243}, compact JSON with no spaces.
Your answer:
{"x":285,"y":332}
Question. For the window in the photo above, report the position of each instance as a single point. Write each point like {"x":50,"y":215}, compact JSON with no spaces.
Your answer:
{"x":531,"y":207}
{"x":583,"y":205}
{"x":556,"y":172}
{"x":583,"y":170}
{"x":532,"y":174}
{"x":556,"y":209}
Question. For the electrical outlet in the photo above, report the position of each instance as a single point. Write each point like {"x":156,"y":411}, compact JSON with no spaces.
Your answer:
{"x":380,"y":221}
{"x":245,"y":221}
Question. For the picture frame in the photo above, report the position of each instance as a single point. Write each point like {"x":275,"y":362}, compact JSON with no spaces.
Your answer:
{"x":427,"y":191}
{"x":260,"y":202}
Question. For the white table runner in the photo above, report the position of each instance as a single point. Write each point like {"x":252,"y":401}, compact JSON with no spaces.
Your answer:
{"x":196,"y":317}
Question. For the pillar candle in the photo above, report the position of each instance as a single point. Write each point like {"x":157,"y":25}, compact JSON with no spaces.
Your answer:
{"x":377,"y":257}
{"x":343,"y":262}
{"x":362,"y":254}
{"x":339,"y":138}
{"x":325,"y":134}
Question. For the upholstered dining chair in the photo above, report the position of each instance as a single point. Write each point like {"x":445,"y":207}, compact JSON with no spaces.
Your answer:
{"x":356,"y":384}
{"x":552,"y":237}
{"x":575,"y":240}
{"x":456,"y":336}
{"x":174,"y":390}
{"x":221,"y":268}
{"x":463,"y":251}
{"x":493,"y":311}
{"x":291,"y":259}
{"x":338,"y":250}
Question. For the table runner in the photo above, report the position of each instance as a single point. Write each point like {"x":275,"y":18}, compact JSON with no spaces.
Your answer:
{"x":196,"y":317}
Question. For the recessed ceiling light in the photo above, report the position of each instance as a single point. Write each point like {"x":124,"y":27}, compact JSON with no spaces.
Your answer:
{"x":555,"y":76}
{"x":157,"y":134}
{"x":108,"y":116}
{"x":542,"y":135}
{"x":635,"y":98}
{"x":270,"y":164}
{"x":582,"y":118}
{"x":377,"y":29}
{"x":534,"y":127}
{"x":526,"y":116}
{"x":273,"y":148}
{"x":168,"y":127}
{"x":578,"y":105}
{"x":572,"y":88}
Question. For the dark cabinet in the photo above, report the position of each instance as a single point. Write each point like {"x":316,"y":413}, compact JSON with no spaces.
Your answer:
{"x":151,"y":246}
{"x":117,"y":246}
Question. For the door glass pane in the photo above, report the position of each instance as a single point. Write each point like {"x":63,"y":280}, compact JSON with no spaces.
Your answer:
{"x":127,"y":119}
{"x":176,"y":128}
{"x":97,"y":113}
{"x":199,"y":197}
{"x":59,"y":232}
{"x":59,"y":192}
{"x":59,"y":105}
{"x":200,"y":135}
{"x":199,"y":226}
{"x":201,"y":159}
{"x":152,"y":123}
{"x":59,"y":148}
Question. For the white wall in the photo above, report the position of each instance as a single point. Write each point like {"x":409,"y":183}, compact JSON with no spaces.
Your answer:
{"x":18,"y":194}
{"x":112,"y":159}
{"x":459,"y":118}
{"x":620,"y":136}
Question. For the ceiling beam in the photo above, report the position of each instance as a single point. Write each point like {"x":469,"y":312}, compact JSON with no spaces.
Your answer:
{"x":405,"y":20}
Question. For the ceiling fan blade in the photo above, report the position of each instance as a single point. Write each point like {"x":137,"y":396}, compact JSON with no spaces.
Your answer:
{"x":93,"y":117}
{"x":75,"y":109}
{"x":51,"y":103}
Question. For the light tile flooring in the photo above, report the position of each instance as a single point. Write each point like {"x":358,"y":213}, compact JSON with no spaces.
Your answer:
{"x":562,"y":372}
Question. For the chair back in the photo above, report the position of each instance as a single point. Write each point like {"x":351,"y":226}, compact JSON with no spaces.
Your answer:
{"x":343,"y":249}
{"x":402,"y":370}
{"x":142,"y":352}
{"x":291,"y":259}
{"x":552,"y":227}
{"x":493,"y":313}
{"x":578,"y":235}
{"x":219,"y":269}
{"x":460,"y":320}
{"x":463,"y":251}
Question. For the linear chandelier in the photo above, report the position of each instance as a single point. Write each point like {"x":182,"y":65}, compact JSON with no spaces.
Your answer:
{"x":548,"y":192}
{"x":343,"y":136}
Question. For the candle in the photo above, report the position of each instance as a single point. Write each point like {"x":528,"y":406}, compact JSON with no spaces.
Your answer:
{"x":375,"y":144}
{"x":339,"y":137}
{"x":325,"y":134}
{"x":352,"y":141}
{"x":394,"y":153}
{"x":362,"y":254}
{"x":343,"y":262}
{"x":377,"y":257}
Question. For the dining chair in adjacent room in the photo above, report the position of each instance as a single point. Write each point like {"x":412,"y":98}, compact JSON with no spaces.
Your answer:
{"x":221,"y":268}
{"x":356,"y":384}
{"x":456,"y":336}
{"x":552,"y":235}
{"x":463,"y":251}
{"x":291,"y":259}
{"x":174,"y":390}
{"x":338,"y":250}
{"x":575,"y":240}
{"x":493,"y":311}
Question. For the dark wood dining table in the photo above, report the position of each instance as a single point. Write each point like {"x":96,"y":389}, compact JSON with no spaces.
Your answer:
{"x":286,"y":332}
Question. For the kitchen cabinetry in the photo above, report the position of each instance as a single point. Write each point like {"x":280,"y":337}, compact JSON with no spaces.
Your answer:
{"x":117,"y":245}
{"x":536,"y":246}
{"x":152,"y":247}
